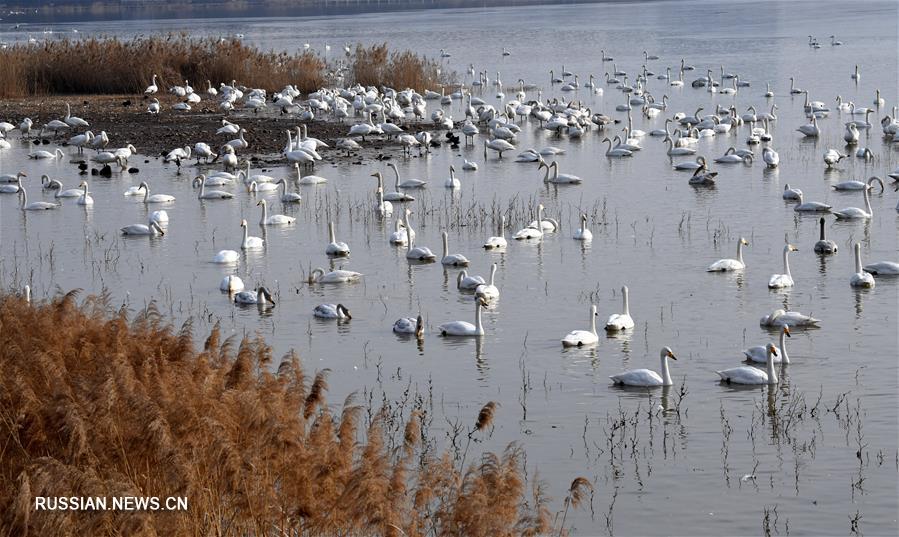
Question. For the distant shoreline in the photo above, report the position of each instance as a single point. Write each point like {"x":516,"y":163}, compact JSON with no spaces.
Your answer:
{"x":27,"y":12}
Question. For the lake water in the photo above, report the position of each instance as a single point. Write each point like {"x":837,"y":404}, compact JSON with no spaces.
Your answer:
{"x":652,"y":232}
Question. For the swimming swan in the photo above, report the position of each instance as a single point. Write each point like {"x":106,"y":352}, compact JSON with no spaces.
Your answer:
{"x":861,"y":278}
{"x":752,"y":375}
{"x":759,"y":353}
{"x":463,"y":328}
{"x":621,"y":321}
{"x":779,"y":281}
{"x":647,"y":377}
{"x":580,"y":338}
{"x":726,"y":265}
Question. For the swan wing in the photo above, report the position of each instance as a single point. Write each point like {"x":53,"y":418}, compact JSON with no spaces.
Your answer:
{"x":744,"y":375}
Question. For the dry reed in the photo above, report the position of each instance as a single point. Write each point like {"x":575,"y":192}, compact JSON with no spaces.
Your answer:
{"x":377,"y":66}
{"x":113,"y":66}
{"x":95,"y":401}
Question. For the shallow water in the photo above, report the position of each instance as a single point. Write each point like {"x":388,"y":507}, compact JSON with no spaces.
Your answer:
{"x":652,"y":232}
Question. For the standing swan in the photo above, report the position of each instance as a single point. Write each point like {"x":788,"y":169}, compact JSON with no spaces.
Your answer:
{"x":580,"y":338}
{"x":752,"y":375}
{"x":726,"y":265}
{"x":621,"y":321}
{"x":463,"y":328}
{"x":779,"y":281}
{"x":647,"y":377}
{"x":861,"y":278}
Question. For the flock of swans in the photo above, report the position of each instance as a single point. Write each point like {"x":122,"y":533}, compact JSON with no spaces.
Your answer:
{"x":402,"y":111}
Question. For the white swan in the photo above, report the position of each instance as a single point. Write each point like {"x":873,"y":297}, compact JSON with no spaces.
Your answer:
{"x":580,"y":338}
{"x":448,"y":259}
{"x":883,"y":268}
{"x":261,"y":297}
{"x":41,"y":154}
{"x":409,"y":325}
{"x":759,"y":353}
{"x":275,"y":219}
{"x":34,"y":205}
{"x":152,"y":88}
{"x":583,"y":233}
{"x":855,"y":213}
{"x":200,"y":181}
{"x":231,"y":284}
{"x":226,"y":257}
{"x":332,"y":311}
{"x":779,"y":281}
{"x":678,"y":151}
{"x":824,"y":246}
{"x":382,"y":208}
{"x":488,"y":291}
{"x":532,"y":231}
{"x":453,"y":182}
{"x":647,"y":377}
{"x":85,"y":198}
{"x":616,"y":152}
{"x":779,"y":318}
{"x":416,"y":253}
{"x":498,"y":242}
{"x":463,"y":328}
{"x":810,"y":129}
{"x":858,"y":185}
{"x":159,"y":216}
{"x":464,"y":282}
{"x":726,"y":265}
{"x":155,"y":198}
{"x":398,"y":237}
{"x":335,"y":276}
{"x":408,"y":183}
{"x":861,"y":278}
{"x":250,"y":243}
{"x":811,"y":206}
{"x":288,"y":197}
{"x":151,"y":228}
{"x":752,"y":375}
{"x":334,"y":248}
{"x":621,"y":321}
{"x":770,"y":156}
{"x":309,"y":179}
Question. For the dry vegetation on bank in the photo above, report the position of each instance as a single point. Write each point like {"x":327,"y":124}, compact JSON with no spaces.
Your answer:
{"x":113,"y":66}
{"x":94,"y":403}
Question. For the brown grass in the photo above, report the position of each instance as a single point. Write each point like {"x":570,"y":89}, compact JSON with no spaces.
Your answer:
{"x":377,"y":66}
{"x":113,"y":66}
{"x":94,"y":402}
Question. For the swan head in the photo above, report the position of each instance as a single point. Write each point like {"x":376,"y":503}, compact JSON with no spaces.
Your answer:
{"x":82,"y":184}
{"x":786,"y":331}
{"x":144,"y":185}
{"x":260,"y":202}
{"x":790,"y":248}
{"x":266,"y":294}
{"x":666,"y":352}
{"x":744,"y":242}
{"x":772,"y":350}
{"x":243,"y":223}
{"x":342,"y":309}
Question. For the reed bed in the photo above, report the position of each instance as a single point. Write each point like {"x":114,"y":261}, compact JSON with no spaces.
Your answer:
{"x":99,"y":402}
{"x":114,"y":66}
{"x":376,"y":65}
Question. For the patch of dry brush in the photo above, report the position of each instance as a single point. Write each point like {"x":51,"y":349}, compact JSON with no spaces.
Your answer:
{"x":113,"y":66}
{"x":94,"y":403}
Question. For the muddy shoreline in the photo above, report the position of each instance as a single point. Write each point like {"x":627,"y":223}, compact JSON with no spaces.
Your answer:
{"x":126,"y":121}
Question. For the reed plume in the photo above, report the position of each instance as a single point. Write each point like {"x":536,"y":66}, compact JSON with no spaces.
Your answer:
{"x":97,"y":401}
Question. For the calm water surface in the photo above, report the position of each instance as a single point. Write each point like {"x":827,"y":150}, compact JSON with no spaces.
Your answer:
{"x":652,"y":232}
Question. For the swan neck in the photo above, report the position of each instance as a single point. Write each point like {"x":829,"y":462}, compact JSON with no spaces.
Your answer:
{"x":822,"y":229}
{"x":858,"y":258}
{"x":787,"y":262}
{"x":264,"y":213}
{"x":666,"y":374}
{"x":627,"y":310}
{"x":783,"y":347}
{"x":772,"y":374}
{"x":477,"y":318}
{"x":740,"y":251}
{"x":867,"y":200}
{"x":593,"y":319}
{"x":445,"y":245}
{"x":331,"y":231}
